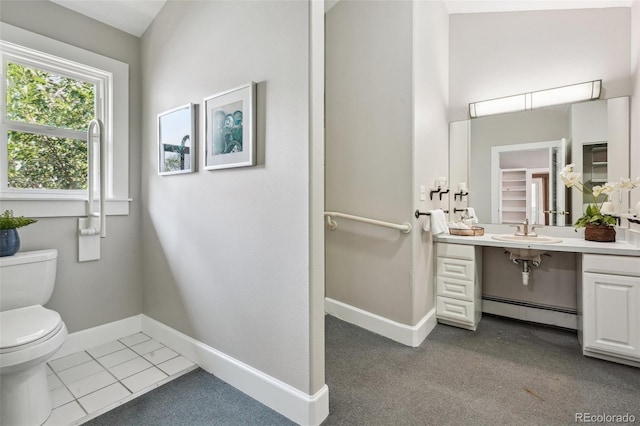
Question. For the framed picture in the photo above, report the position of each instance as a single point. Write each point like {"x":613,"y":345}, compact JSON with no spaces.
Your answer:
{"x":229,"y":134}
{"x":176,"y":140}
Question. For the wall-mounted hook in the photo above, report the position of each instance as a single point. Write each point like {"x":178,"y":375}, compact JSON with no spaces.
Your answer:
{"x":433,"y":191}
{"x":444,"y":192}
{"x":460,"y":194}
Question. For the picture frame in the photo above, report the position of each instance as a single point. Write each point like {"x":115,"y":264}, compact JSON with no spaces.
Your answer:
{"x":229,"y":132}
{"x":177,"y":143}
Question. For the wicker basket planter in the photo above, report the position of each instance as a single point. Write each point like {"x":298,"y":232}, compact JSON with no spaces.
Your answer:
{"x":600,"y":233}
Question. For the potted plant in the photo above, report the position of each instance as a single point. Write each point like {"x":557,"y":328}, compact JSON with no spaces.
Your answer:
{"x":598,"y":226}
{"x":9,"y":239}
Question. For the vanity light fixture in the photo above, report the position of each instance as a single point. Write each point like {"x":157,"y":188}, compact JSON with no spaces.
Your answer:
{"x":543,"y":98}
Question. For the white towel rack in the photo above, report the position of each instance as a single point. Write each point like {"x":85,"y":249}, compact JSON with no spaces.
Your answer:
{"x":332,"y":224}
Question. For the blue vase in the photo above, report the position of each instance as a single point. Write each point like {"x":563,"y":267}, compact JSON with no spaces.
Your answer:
{"x":9,"y":242}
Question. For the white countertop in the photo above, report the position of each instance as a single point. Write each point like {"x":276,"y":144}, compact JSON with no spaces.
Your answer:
{"x":575,"y":245}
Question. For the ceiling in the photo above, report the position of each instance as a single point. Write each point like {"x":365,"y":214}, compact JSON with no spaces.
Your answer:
{"x":135,"y":16}
{"x":482,"y":6}
{"x":131,"y":16}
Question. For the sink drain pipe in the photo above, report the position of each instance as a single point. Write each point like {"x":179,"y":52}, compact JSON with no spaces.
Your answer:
{"x":525,"y":272}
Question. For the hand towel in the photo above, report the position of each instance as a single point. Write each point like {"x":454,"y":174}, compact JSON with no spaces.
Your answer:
{"x":471,"y":214}
{"x":436,"y":222}
{"x":458,"y":225}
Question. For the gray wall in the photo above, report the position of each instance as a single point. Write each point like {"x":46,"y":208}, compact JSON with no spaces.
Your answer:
{"x":386,"y":134}
{"x":501,"y":54}
{"x":553,"y":284}
{"x":92,"y":293}
{"x":369,"y":154}
{"x":226,"y":252}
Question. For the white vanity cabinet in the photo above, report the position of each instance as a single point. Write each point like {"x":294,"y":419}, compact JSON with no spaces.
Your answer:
{"x":610,"y":301}
{"x":458,"y":285}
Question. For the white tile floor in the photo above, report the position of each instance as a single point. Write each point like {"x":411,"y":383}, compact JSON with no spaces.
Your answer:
{"x":86,"y":384}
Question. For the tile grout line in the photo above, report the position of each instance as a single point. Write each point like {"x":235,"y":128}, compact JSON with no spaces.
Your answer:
{"x":70,"y":393}
{"x":132,"y":395}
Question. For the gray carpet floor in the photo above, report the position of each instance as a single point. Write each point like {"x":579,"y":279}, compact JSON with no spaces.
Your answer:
{"x":505,"y":373}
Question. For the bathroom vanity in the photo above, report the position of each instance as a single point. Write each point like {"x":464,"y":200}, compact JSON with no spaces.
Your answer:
{"x":608,"y":289}
{"x":459,"y":285}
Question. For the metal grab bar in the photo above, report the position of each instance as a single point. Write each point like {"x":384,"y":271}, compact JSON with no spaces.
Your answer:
{"x":332,"y":224}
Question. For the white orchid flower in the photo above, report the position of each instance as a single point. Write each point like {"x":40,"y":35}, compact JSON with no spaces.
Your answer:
{"x":625,"y":183}
{"x":609,"y":188}
{"x":597,"y":190}
{"x":569,"y":177}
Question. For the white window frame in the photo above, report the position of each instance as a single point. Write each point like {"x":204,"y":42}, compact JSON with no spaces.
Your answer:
{"x":101,"y":80}
{"x":112,"y":107}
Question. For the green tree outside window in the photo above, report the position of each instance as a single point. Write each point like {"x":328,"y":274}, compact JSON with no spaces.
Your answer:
{"x":36,"y":159}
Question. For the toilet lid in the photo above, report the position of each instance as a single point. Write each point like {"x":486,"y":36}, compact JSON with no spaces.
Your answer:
{"x":25,"y":325}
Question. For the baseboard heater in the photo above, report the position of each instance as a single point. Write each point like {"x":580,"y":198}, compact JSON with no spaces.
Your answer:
{"x":531,"y":312}
{"x":531,"y":305}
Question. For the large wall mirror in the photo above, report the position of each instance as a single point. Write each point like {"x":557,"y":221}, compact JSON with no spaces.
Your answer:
{"x":511,"y":162}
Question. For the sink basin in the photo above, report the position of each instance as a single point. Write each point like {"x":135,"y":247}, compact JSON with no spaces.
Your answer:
{"x":526,"y":239}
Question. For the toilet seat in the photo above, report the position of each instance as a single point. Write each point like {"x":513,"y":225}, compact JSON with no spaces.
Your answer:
{"x":26,"y":327}
{"x":25,"y":356}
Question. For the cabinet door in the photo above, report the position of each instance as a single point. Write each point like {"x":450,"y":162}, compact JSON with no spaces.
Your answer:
{"x":611,"y":306}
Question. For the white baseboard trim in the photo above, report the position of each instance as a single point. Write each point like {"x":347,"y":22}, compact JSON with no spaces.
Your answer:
{"x":620,"y":359}
{"x":531,"y":314}
{"x":402,"y":333}
{"x":86,"y":339}
{"x":292,"y":403}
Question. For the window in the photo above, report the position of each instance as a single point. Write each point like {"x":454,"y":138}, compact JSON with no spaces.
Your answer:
{"x":44,"y":125}
{"x":50,"y":93}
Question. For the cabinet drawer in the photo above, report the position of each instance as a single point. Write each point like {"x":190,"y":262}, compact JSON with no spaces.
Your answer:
{"x":607,"y":264}
{"x":455,"y":288}
{"x":454,"y":309}
{"x":455,"y":268}
{"x":458,"y":251}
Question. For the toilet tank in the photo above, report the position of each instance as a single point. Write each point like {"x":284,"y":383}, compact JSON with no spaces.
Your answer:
{"x":27,"y":278}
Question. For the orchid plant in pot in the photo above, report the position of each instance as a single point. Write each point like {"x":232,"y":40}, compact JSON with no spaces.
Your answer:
{"x":598,"y":226}
{"x":9,"y":238}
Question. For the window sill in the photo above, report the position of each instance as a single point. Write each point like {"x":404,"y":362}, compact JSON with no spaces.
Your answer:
{"x":37,"y":207}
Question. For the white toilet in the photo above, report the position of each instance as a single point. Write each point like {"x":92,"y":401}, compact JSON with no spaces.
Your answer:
{"x":29,"y":335}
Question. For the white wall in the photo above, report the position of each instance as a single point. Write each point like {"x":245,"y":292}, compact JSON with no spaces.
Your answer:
{"x":430,"y":138}
{"x":92,"y":293}
{"x":227,"y":252}
{"x":634,"y":156}
{"x":500,"y":54}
